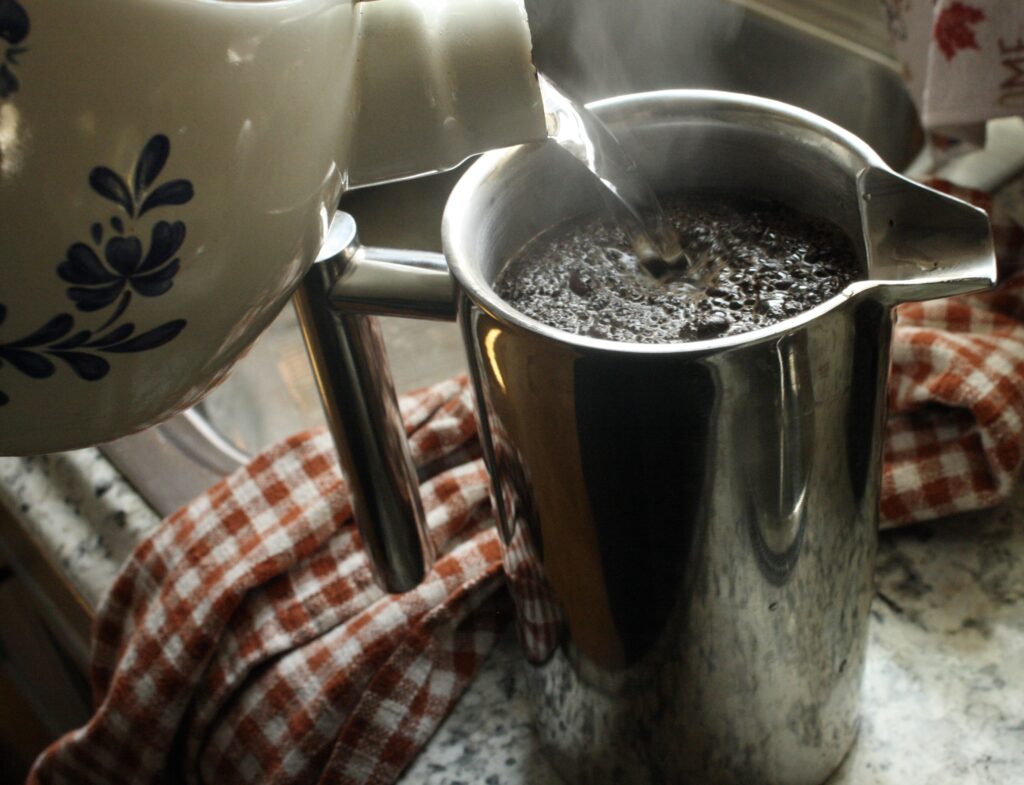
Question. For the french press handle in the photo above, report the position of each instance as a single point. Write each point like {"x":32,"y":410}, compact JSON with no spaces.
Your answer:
{"x":336,"y":303}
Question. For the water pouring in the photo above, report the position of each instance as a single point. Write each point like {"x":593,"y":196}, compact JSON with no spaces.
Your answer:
{"x":629,"y":196}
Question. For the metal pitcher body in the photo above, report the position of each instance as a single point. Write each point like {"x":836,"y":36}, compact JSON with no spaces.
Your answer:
{"x":690,"y":544}
{"x":690,"y":530}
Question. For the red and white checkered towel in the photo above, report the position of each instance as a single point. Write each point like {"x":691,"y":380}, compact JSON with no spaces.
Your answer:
{"x":245,"y":641}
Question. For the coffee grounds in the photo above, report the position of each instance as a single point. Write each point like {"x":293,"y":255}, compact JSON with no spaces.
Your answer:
{"x":756,"y":263}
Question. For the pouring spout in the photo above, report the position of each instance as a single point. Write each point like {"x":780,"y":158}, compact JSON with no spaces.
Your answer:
{"x":922,"y":244}
{"x":438,"y":82}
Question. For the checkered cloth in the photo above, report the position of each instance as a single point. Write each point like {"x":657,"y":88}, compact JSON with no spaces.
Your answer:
{"x":956,"y":391}
{"x":246,"y":642}
{"x":954,"y":437}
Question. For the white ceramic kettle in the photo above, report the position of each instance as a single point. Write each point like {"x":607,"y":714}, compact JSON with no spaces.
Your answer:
{"x":168,"y":169}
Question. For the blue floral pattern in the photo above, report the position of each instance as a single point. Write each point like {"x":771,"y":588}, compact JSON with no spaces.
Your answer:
{"x":104,"y":272}
{"x":14,"y":27}
{"x":99,"y":284}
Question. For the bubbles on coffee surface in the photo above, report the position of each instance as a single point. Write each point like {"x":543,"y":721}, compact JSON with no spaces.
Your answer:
{"x":756,"y":263}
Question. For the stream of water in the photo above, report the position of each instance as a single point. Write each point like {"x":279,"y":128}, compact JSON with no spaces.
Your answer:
{"x":637,"y":209}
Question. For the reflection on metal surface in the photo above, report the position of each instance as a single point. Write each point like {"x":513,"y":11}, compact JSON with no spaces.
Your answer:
{"x":541,"y":620}
{"x":395,"y":282}
{"x":490,"y":340}
{"x":196,"y":438}
{"x":924,"y":243}
{"x":777,"y":506}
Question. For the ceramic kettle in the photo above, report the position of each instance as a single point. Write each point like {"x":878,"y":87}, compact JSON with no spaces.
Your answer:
{"x":168,"y":170}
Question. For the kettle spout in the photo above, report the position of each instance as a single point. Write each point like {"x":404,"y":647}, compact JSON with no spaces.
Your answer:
{"x":437,"y":82}
{"x":922,"y":244}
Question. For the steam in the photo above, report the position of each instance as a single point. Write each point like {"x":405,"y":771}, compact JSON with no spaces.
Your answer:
{"x":600,"y":48}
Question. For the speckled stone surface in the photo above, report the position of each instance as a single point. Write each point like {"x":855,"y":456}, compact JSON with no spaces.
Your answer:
{"x":79,"y":508}
{"x":943,"y":695}
{"x":943,"y":698}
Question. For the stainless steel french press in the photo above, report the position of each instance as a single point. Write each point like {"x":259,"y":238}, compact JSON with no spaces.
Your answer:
{"x":698,"y":520}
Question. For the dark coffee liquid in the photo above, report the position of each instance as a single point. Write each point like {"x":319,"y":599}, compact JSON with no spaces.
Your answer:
{"x":756,"y":263}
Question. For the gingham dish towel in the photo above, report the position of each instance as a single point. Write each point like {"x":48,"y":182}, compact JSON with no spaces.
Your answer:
{"x":245,"y":642}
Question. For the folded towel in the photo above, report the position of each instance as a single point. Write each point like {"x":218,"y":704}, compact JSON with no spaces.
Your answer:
{"x":245,"y":640}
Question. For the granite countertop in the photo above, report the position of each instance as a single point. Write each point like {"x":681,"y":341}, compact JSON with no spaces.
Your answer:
{"x":943,"y":698}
